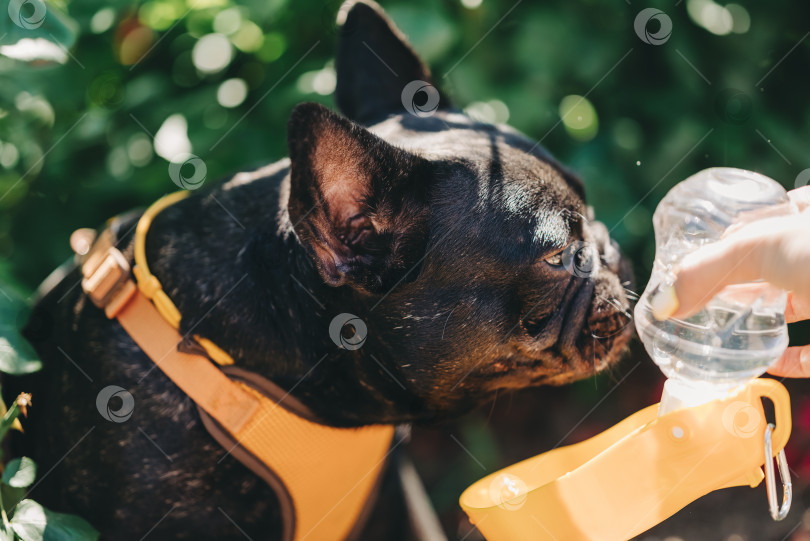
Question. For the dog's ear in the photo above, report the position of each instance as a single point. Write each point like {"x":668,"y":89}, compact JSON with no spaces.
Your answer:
{"x":375,"y":64}
{"x":357,"y":203}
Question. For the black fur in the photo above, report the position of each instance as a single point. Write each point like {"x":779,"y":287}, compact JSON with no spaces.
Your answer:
{"x":432,"y":230}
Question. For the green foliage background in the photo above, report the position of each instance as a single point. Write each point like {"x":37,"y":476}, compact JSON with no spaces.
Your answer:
{"x":662,"y":112}
{"x":72,"y":124}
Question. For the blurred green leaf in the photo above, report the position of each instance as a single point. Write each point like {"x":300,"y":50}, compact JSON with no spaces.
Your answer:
{"x":20,"y":472}
{"x":11,"y":497}
{"x":36,"y":33}
{"x":16,"y":354}
{"x":32,"y":522}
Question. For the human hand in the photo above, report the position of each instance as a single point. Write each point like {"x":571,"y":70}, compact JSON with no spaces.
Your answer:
{"x":776,"y":250}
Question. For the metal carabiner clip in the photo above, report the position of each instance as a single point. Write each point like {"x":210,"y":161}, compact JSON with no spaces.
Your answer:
{"x":777,"y":513}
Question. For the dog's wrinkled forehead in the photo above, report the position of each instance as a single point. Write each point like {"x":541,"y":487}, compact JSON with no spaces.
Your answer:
{"x":510,"y":189}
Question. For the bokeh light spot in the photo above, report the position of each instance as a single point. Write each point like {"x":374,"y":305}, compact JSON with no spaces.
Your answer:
{"x":118,"y":163}
{"x":324,"y":81}
{"x":159,"y":15}
{"x":35,"y":106}
{"x":206,"y":4}
{"x":232,"y":93}
{"x":9,"y":155}
{"x":321,"y":81}
{"x":741,"y":20}
{"x":102,"y":20}
{"x":579,"y":117}
{"x":248,"y":38}
{"x":491,"y":112}
{"x":710,"y":15}
{"x":139,"y":149}
{"x":227,"y":21}
{"x":134,"y":45}
{"x":212,"y":53}
{"x":172,"y":137}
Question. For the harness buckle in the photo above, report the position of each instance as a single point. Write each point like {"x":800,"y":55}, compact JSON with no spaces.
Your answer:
{"x":105,"y":273}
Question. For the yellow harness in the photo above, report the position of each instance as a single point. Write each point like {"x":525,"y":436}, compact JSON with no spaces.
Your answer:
{"x":323,"y":476}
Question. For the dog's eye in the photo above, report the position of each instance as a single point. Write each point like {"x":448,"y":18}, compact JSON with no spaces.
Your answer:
{"x":555,"y":260}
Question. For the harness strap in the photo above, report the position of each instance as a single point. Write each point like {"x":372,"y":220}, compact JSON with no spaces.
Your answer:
{"x":324,"y":476}
{"x":151,"y":286}
{"x":209,"y":387}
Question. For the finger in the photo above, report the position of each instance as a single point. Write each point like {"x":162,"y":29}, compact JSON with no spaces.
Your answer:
{"x":794,"y":363}
{"x":703,"y":274}
{"x":797,"y":309}
{"x":801,"y":197}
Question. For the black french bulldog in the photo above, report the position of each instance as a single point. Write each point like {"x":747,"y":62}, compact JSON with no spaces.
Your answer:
{"x":460,"y":244}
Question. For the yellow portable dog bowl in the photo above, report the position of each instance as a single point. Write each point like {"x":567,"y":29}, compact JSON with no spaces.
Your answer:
{"x":634,"y":475}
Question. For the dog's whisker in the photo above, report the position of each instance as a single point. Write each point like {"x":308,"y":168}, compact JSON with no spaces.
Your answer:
{"x":617,"y":305}
{"x":631,"y":294}
{"x":584,"y":218}
{"x":574,"y":212}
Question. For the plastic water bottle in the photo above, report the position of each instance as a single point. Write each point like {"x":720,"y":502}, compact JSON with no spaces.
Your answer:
{"x":742,"y":330}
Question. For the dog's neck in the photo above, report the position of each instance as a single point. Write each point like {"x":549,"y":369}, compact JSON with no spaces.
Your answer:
{"x":264,"y":301}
